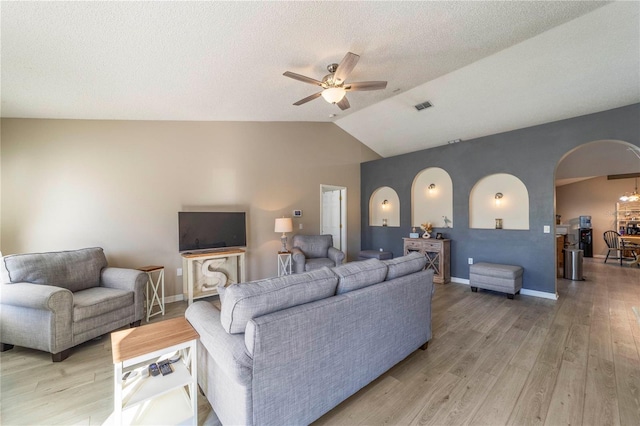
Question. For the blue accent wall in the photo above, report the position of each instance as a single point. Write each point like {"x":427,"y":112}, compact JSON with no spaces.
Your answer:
{"x":531,"y":154}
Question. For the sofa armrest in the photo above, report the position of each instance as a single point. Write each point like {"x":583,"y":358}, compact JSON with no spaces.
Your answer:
{"x":299,"y":259}
{"x":336,"y":255}
{"x":37,"y":296}
{"x":36,"y":316}
{"x":126,"y":279}
{"x":226,"y":350}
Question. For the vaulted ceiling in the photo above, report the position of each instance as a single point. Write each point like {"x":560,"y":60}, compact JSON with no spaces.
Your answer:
{"x":487,"y":67}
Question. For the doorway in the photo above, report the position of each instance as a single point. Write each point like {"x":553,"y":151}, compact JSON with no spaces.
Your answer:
{"x":333,"y":214}
{"x":589,"y":179}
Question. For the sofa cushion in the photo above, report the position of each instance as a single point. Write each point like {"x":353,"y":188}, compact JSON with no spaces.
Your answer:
{"x":405,"y":265}
{"x":355,"y":275}
{"x":74,"y":270}
{"x":245,"y":301}
{"x":99,"y":300}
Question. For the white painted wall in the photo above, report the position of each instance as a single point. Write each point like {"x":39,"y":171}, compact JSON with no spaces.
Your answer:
{"x":513,"y":208}
{"x":432,"y":205}
{"x":68,"y":184}
{"x":389,"y":211}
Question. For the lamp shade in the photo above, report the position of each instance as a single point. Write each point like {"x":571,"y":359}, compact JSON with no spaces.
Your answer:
{"x":333,"y":95}
{"x":283,"y":224}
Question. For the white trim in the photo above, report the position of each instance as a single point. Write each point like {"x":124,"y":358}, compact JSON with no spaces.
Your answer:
{"x":523,"y":291}
{"x":541,"y":294}
{"x":175,"y":298}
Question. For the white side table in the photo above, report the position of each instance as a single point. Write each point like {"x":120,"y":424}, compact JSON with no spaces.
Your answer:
{"x":284,"y":263}
{"x":155,"y":289}
{"x":134,"y":397}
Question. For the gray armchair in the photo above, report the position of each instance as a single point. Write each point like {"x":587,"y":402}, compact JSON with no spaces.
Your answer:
{"x":311,"y":252}
{"x":54,"y":301}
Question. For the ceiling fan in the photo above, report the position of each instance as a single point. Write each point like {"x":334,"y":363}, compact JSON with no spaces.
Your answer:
{"x":334,"y":85}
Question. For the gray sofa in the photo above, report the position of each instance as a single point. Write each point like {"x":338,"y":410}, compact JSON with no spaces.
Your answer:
{"x":54,"y":301}
{"x":311,"y":252}
{"x":284,"y":351}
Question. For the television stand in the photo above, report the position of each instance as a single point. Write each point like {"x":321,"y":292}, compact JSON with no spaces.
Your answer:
{"x":203,"y":271}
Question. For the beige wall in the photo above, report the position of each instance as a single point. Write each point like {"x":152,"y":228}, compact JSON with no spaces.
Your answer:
{"x":119,"y":185}
{"x":597,"y":198}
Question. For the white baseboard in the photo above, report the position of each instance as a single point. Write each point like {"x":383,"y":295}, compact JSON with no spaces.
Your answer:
{"x":536,"y":293}
{"x":524,"y":291}
{"x":175,"y":298}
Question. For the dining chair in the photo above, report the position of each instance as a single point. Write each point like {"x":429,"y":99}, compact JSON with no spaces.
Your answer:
{"x":616,"y":243}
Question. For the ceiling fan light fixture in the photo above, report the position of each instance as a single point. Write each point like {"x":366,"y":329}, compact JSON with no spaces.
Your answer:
{"x":333,"y":95}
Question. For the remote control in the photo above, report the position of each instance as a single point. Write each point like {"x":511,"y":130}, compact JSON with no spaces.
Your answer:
{"x":165,"y":367}
{"x":153,"y":369}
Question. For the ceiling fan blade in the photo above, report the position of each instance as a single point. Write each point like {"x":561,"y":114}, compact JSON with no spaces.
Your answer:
{"x":343,"y":104}
{"x":366,"y":85}
{"x":302,"y":78}
{"x":308,"y":98}
{"x":345,"y":67}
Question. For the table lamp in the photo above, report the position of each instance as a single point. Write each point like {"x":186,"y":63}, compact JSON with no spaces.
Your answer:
{"x":284,"y":225}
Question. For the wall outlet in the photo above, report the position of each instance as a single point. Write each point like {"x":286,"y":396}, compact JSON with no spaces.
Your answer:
{"x":471,"y":261}
{"x":547,"y":229}
{"x":300,"y":226}
{"x":179,"y":272}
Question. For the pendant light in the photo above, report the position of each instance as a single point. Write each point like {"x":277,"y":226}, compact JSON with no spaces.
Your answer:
{"x":633,"y":197}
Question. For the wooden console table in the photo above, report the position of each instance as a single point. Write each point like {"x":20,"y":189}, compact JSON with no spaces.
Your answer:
{"x":438,"y":254}
{"x":229,"y":264}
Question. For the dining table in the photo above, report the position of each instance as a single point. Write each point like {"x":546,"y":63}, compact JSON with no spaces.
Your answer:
{"x":632,"y":240}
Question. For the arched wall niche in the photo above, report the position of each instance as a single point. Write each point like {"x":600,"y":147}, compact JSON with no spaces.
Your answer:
{"x":379,"y":211}
{"x":432,"y":198}
{"x":512,"y":207}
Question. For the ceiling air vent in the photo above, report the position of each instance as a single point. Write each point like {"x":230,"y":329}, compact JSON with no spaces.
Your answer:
{"x":423,"y":105}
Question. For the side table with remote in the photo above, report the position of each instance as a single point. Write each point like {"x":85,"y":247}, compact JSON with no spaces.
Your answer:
{"x":134,"y":350}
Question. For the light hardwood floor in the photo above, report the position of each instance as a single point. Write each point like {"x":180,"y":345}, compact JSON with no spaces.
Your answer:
{"x":491,"y":361}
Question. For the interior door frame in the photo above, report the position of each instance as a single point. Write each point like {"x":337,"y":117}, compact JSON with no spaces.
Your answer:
{"x":343,"y":211}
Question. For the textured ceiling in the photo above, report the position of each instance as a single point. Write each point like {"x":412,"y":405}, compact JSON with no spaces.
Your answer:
{"x":224,"y":61}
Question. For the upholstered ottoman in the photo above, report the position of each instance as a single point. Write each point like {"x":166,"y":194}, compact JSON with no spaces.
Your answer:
{"x":492,"y":276}
{"x":374,"y":254}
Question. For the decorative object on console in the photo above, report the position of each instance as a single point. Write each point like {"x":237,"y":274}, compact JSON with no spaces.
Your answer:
{"x":413,"y":233}
{"x":428,"y":229}
{"x":213,"y":276}
{"x":284,"y":225}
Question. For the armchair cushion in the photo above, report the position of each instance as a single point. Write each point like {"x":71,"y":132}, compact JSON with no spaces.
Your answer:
{"x":313,"y":264}
{"x":96,"y":301}
{"x":74,"y":270}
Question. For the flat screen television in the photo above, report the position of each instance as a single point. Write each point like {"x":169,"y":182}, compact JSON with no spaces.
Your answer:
{"x":210,"y":230}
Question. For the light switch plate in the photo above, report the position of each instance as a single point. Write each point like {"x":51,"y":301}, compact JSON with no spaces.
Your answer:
{"x":547,"y":229}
